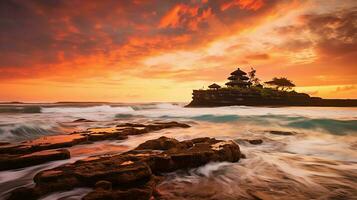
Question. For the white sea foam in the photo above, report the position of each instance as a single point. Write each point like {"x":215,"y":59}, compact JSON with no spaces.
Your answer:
{"x":75,"y":194}
{"x":91,"y":109}
{"x":208,"y":169}
{"x":313,"y":112}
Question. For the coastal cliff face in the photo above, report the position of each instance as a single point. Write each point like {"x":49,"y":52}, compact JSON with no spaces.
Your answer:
{"x":231,"y":97}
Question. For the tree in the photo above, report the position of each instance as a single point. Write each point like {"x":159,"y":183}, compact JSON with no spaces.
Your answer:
{"x":252,"y":77}
{"x":283,"y":83}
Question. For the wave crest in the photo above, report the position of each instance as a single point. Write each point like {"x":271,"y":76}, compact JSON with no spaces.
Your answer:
{"x":92,"y":109}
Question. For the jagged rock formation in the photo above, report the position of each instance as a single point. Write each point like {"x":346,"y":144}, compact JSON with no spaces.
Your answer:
{"x":131,"y":175}
{"x":38,"y":151}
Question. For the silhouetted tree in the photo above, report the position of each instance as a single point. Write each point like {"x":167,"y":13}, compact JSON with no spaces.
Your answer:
{"x":282,"y":83}
{"x":252,"y":77}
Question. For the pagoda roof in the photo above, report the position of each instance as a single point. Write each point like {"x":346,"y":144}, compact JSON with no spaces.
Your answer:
{"x":214,"y":85}
{"x":238,"y":72}
{"x":234,"y":77}
{"x":237,"y":82}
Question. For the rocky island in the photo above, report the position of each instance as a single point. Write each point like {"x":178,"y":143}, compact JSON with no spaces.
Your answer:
{"x":246,"y":89}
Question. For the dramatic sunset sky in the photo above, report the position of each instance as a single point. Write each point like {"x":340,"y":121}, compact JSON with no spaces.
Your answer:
{"x":159,"y":50}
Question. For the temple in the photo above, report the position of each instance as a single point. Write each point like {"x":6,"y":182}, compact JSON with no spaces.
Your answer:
{"x":238,"y":78}
{"x":245,"y":89}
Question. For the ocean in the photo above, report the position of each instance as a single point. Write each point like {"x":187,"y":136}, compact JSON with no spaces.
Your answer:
{"x":318,"y":160}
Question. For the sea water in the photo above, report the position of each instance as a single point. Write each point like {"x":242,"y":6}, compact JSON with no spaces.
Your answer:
{"x":319,"y":161}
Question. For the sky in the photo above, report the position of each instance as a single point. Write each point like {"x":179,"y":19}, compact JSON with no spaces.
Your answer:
{"x":160,"y":50}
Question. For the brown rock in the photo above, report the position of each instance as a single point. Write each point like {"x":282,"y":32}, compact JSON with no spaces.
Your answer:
{"x":19,"y":161}
{"x":4,"y":143}
{"x":140,"y":192}
{"x":250,"y":141}
{"x":82,"y":120}
{"x":131,"y":125}
{"x":163,"y":143}
{"x":255,"y":141}
{"x":43,"y":143}
{"x":130,"y":175}
{"x":13,"y":152}
{"x":282,"y":133}
{"x":104,"y":185}
{"x":203,"y":139}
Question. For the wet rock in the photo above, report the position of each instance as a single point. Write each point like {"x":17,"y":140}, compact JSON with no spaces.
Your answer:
{"x":131,"y":125}
{"x":43,"y":143}
{"x":250,"y":141}
{"x":4,"y":143}
{"x":142,"y":192}
{"x":255,"y":141}
{"x":104,"y":185}
{"x":82,"y":120}
{"x":163,"y":143}
{"x":106,"y":136}
{"x":24,"y":193}
{"x":187,"y":143}
{"x":172,"y":124}
{"x":131,"y":175}
{"x":282,"y":133}
{"x":203,"y":139}
{"x":14,"y":152}
{"x":25,"y":160}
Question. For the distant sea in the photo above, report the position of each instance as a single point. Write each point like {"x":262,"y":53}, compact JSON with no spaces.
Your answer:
{"x":319,"y":158}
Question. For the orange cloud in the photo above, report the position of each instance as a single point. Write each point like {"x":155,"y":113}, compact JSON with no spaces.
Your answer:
{"x":244,"y":4}
{"x":263,"y":56}
{"x":173,"y":47}
{"x":184,"y":15}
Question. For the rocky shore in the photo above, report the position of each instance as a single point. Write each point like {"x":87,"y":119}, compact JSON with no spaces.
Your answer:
{"x":131,"y":175}
{"x":38,"y":151}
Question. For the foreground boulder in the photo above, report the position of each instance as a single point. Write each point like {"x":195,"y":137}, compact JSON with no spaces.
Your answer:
{"x":13,"y":156}
{"x":133,"y":174}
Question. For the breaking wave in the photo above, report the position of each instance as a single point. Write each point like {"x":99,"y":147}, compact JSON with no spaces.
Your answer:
{"x":330,"y":125}
{"x":151,"y":106}
{"x":92,"y":109}
{"x":21,"y":132}
{"x":216,"y":118}
{"x":334,"y":126}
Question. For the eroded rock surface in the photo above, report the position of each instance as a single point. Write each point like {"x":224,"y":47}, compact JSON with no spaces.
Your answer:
{"x":250,"y":141}
{"x":8,"y":161}
{"x":282,"y":133}
{"x":23,"y":154}
{"x":133,"y":174}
